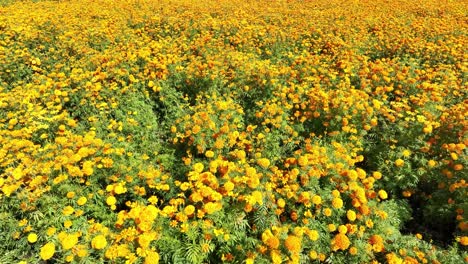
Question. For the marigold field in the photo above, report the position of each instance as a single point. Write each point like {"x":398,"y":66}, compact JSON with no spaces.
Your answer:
{"x":240,"y":131}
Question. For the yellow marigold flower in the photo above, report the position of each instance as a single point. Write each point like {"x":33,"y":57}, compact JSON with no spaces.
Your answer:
{"x":336,"y":193}
{"x":352,"y":175}
{"x":67,"y":224}
{"x":82,"y":200}
{"x":392,"y":258}
{"x":342,"y":229}
{"x":47,"y":251}
{"x":427,"y":129}
{"x":353,"y":251}
{"x":313,"y":235}
{"x":293,"y":244}
{"x":351,"y":215}
{"x":255,"y":198}
{"x":212,"y":207}
{"x":276,"y":257}
{"x":189,"y":209}
{"x":383,"y":194}
{"x":406,"y":153}
{"x":229,"y":186}
{"x":281,"y":203}
{"x":50,"y":231}
{"x":377,"y":175}
{"x":70,"y":195}
{"x":263,"y":162}
{"x":327,"y":212}
{"x":152,"y":257}
{"x":81,"y":251}
{"x":399,"y":162}
{"x":198,"y":167}
{"x":119,"y":188}
{"x":313,"y":254}
{"x":316,"y":199}
{"x":340,"y":242}
{"x":99,"y":242}
{"x":111,"y":200}
{"x":209,"y":154}
{"x":88,"y":168}
{"x":68,"y":210}
{"x":337,"y":203}
{"x":68,"y":241}
{"x":32,"y":238}
{"x":431,"y":163}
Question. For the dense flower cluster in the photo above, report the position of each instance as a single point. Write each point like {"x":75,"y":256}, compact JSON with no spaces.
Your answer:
{"x":233,"y":131}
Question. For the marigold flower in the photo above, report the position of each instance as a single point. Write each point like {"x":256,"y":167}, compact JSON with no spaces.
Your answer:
{"x":351,"y":215}
{"x":189,"y":209}
{"x":352,"y":175}
{"x":293,"y":244}
{"x":392,"y":258}
{"x":209,"y":154}
{"x":32,"y":238}
{"x":337,"y":203}
{"x":340,"y":242}
{"x":281,"y":203}
{"x":383,"y":194}
{"x":431,"y":163}
{"x":152,"y":257}
{"x":276,"y":257}
{"x":464,"y":240}
{"x":67,"y":223}
{"x":68,"y":210}
{"x":316,"y":199}
{"x":82,"y":200}
{"x":111,"y":200}
{"x":377,"y":175}
{"x":399,"y":162}
{"x":273,"y":242}
{"x":406,"y":153}
{"x":47,"y":251}
{"x":198,"y":167}
{"x":263,"y":162}
{"x":68,"y":241}
{"x":327,"y":212}
{"x":99,"y":242}
{"x":342,"y":229}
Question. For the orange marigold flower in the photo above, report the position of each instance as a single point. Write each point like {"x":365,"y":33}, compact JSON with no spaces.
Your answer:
{"x":293,"y":244}
{"x":464,"y":240}
{"x":340,"y":242}
{"x":273,"y":242}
